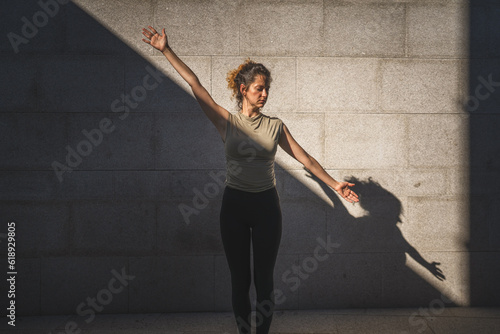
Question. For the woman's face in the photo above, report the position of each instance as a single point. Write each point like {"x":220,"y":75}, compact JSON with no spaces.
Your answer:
{"x":257,"y":92}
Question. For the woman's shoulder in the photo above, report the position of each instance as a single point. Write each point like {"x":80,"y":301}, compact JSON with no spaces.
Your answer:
{"x":273,"y":119}
{"x":275,"y":123}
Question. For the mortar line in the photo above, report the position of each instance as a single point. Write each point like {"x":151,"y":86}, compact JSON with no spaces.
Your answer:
{"x":406,"y":29}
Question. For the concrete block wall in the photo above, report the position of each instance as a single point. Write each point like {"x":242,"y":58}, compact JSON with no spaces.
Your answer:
{"x":375,"y":90}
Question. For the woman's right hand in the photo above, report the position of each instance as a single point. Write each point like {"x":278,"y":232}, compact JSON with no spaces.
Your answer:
{"x":156,"y":40}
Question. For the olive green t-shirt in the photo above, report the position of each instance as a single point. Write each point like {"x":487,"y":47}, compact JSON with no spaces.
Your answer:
{"x":250,"y":147}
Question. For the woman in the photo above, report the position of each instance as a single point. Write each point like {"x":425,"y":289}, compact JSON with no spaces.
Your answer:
{"x":250,"y":210}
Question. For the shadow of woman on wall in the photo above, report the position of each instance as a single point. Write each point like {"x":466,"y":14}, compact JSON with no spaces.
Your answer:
{"x":375,"y":233}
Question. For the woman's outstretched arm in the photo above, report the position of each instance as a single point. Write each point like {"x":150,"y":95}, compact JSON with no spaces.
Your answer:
{"x":290,"y":146}
{"x":217,"y":114}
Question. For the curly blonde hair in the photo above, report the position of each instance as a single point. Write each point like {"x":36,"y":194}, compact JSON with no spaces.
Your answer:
{"x":245,"y":74}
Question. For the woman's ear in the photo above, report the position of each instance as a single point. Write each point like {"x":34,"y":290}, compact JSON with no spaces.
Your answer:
{"x":242,"y":89}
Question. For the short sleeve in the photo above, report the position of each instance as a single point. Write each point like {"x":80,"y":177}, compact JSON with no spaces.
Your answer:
{"x":228,"y":125}
{"x":280,"y":129}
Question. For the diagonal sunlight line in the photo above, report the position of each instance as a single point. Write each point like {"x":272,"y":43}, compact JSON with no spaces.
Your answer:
{"x":115,"y":29}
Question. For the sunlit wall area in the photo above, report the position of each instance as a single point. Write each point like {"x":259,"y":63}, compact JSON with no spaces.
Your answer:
{"x":111,"y":170}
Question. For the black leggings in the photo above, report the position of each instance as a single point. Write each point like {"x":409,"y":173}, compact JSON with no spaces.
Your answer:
{"x":254,"y":217}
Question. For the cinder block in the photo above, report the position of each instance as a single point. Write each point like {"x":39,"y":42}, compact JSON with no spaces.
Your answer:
{"x":494,"y":228}
{"x":18,"y":84}
{"x":485,"y":271}
{"x":340,"y":281}
{"x":269,"y":28}
{"x":105,"y":142}
{"x":96,"y":27}
{"x":172,"y":284}
{"x":135,"y":185}
{"x":484,"y":183}
{"x":42,"y":228}
{"x":365,"y":141}
{"x":360,"y":29}
{"x":493,"y":27}
{"x":421,"y":182}
{"x":480,"y":20}
{"x":88,"y":185}
{"x":438,"y":30}
{"x":222,"y":286}
{"x":481,"y":222}
{"x":65,"y":289}
{"x":459,"y":182}
{"x":302,"y":184}
{"x":437,"y":224}
{"x":285,"y":297}
{"x":370,"y":182}
{"x":304,"y":220}
{"x":335,"y":84}
{"x":480,"y":213}
{"x":372,"y":224}
{"x":28,"y":185}
{"x":439,"y":140}
{"x":91,"y":31}
{"x":199,"y":28}
{"x":186,"y":229}
{"x":184,"y":184}
{"x":282,"y":95}
{"x":399,"y":182}
{"x":46,"y":37}
{"x":308,"y":131}
{"x":165,"y":90}
{"x":32,"y":140}
{"x":403,"y":285}
{"x":483,"y":94}
{"x":79,"y":83}
{"x":106,"y":228}
{"x":191,"y":138}
{"x":423,"y":286}
{"x":420,"y":86}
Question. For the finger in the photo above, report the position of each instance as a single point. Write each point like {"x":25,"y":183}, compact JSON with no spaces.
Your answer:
{"x":148,"y":35}
{"x":147,"y":32}
{"x":163,"y":32}
{"x":153,"y":30}
{"x":351,"y":184}
{"x":146,"y":41}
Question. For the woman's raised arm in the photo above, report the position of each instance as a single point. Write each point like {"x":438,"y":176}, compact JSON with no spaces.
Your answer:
{"x":290,"y":146}
{"x":217,"y":114}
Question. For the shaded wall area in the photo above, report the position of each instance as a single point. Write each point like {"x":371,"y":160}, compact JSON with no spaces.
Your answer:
{"x":370,"y":90}
{"x":483,"y":106}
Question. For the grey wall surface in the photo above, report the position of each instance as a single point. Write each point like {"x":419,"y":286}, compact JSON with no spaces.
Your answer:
{"x":382,"y":93}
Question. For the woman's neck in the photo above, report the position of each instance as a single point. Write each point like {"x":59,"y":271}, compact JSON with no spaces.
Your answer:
{"x":250,"y":112}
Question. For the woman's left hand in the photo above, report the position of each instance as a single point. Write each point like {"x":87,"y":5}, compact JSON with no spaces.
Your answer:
{"x":343,"y":189}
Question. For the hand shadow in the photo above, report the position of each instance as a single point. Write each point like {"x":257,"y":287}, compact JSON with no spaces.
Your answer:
{"x":377,"y":230}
